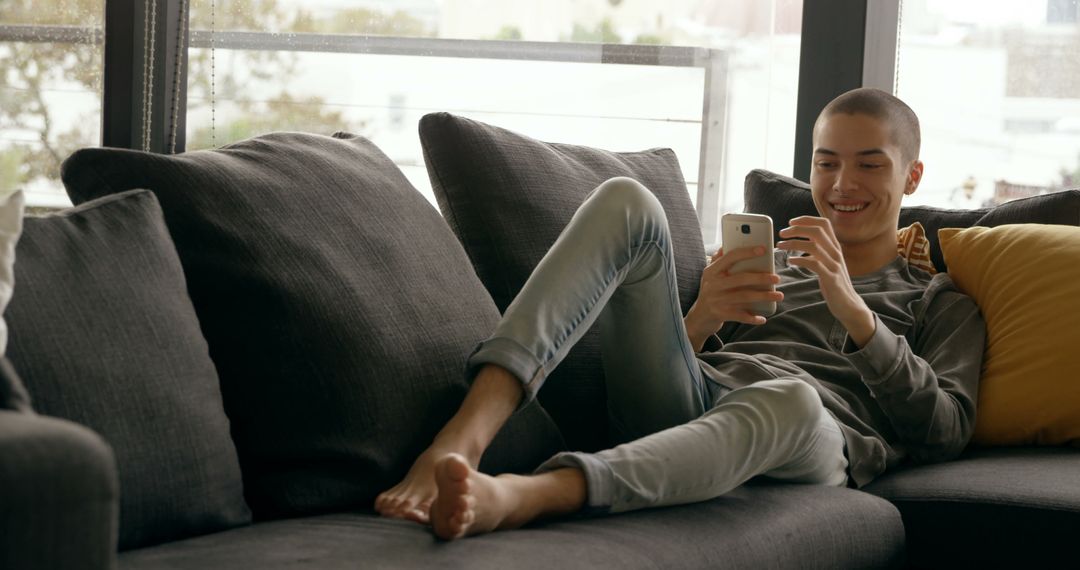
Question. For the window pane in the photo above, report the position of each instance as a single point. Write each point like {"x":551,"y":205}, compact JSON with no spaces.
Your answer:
{"x":50,"y":92}
{"x":996,"y":85}
{"x":406,"y":58}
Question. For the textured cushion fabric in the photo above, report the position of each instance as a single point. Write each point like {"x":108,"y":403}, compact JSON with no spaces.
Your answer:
{"x":1024,"y":277}
{"x":103,"y":334}
{"x":773,"y":526}
{"x":783,"y":198}
{"x":508,"y":197}
{"x":991,"y":508}
{"x":58,"y":495}
{"x":337,"y":305}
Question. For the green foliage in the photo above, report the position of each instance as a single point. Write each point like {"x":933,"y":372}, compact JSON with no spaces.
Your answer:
{"x":12,"y":174}
{"x":283,"y":114}
{"x":603,"y":32}
{"x":651,"y":39}
{"x":29,"y":71}
{"x":508,"y":33}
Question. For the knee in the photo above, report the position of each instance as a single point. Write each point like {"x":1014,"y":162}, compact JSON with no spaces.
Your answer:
{"x":626,"y":195}
{"x":790,"y":400}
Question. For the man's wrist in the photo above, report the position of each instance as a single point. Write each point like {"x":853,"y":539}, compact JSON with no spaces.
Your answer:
{"x":694,"y":332}
{"x":862,"y":328}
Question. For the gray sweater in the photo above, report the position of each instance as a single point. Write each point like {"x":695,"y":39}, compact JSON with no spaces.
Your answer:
{"x":909,"y":394}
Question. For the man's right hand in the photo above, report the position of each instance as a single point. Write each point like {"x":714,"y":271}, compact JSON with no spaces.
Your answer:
{"x":724,"y":296}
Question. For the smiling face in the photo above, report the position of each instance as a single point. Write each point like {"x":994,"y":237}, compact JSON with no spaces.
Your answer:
{"x":858,"y":177}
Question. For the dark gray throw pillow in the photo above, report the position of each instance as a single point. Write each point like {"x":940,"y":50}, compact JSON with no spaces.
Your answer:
{"x":103,"y":334}
{"x":338,"y":307}
{"x":783,"y":198}
{"x":508,"y":197}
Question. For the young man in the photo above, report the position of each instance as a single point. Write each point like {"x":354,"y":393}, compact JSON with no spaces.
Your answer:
{"x":867,"y":361}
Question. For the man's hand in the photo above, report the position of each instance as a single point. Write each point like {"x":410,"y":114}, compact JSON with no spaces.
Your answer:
{"x":825,"y":258}
{"x":728,"y":297}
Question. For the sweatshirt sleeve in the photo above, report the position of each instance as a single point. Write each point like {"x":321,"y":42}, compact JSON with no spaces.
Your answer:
{"x":928,"y":391}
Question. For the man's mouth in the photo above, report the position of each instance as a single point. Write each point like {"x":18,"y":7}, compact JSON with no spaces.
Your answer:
{"x":849,"y":207}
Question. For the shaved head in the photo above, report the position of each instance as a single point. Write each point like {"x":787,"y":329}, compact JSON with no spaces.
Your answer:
{"x":901,"y":121}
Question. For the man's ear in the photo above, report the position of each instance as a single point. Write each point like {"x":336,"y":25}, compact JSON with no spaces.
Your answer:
{"x":914,"y":177}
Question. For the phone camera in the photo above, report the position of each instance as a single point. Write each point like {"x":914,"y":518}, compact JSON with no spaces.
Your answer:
{"x":745,"y":228}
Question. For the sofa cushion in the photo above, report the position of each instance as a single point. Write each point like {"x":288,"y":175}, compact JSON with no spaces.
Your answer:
{"x":993,"y":508}
{"x":783,"y":198}
{"x":338,"y":307}
{"x":103,"y":334}
{"x":1024,"y":278}
{"x":508,"y":197}
{"x":767,"y":526}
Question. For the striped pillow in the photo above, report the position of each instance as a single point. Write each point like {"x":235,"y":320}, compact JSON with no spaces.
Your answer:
{"x":912,"y":245}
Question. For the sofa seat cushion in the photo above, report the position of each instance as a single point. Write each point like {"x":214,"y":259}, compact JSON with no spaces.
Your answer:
{"x":755,"y":526}
{"x":999,"y":507}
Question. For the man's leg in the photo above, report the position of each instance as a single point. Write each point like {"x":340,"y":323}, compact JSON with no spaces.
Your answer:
{"x":776,"y":428}
{"x":616,"y":248}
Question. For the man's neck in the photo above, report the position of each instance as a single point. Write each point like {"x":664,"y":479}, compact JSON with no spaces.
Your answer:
{"x":868,"y":257}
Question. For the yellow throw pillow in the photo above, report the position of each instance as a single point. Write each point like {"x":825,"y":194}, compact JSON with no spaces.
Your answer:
{"x":1026,"y":280}
{"x":912,"y":245}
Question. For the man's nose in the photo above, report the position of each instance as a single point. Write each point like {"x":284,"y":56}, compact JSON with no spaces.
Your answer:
{"x":845,"y":179}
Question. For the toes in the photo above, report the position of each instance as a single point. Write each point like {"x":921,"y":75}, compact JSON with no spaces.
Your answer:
{"x":417,"y":515}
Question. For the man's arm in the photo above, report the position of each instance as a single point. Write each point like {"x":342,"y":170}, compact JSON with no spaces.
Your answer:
{"x":929,"y":393}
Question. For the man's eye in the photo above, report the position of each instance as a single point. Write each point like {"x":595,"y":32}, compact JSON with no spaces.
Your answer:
{"x":871,"y":165}
{"x":823,"y":164}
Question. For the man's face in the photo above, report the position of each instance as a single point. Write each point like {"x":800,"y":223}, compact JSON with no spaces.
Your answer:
{"x":858,"y":177}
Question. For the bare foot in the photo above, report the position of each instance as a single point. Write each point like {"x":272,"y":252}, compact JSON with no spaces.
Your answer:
{"x":411,"y":499}
{"x":471,"y":502}
{"x":494,"y":395}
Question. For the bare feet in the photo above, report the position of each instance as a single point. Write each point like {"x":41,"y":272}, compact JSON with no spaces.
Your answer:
{"x":411,"y":499}
{"x":470,"y":502}
{"x":493,"y":396}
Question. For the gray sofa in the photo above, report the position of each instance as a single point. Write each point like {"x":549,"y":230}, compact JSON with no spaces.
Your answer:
{"x":222,"y":371}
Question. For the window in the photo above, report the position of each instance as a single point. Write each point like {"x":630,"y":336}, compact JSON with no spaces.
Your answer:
{"x":996,"y":85}
{"x":50,"y":92}
{"x":715,"y":80}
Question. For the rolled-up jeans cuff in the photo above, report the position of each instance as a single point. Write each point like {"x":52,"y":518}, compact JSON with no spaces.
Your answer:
{"x":512,"y":356}
{"x":599,"y":479}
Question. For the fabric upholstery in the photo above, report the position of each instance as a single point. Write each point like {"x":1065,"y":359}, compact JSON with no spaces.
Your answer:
{"x":773,"y":526}
{"x":991,"y":508}
{"x":58,"y":495}
{"x":103,"y":334}
{"x":784,"y":198}
{"x":508,"y":197}
{"x":337,"y":305}
{"x":1025,"y":278}
{"x":913,"y":245}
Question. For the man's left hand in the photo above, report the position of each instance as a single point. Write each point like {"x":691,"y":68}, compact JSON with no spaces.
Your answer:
{"x":824,"y":257}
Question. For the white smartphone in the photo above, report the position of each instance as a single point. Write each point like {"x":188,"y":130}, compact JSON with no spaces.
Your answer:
{"x":750,"y":230}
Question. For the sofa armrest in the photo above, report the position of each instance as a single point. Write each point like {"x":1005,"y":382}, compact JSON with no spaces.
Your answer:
{"x":59,"y":495}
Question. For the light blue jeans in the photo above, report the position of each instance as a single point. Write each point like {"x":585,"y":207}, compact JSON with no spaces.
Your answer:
{"x":689,"y":439}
